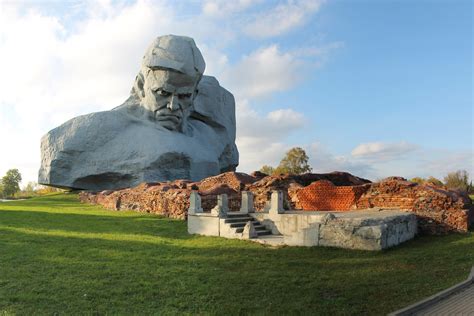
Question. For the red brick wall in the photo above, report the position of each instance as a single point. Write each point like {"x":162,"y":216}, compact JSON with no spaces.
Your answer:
{"x":324,"y":196}
{"x":439,"y":211}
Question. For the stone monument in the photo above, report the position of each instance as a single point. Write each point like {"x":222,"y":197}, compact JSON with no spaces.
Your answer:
{"x":176,"y":124}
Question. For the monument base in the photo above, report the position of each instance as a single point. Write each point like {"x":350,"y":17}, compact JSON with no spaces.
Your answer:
{"x":363,"y":230}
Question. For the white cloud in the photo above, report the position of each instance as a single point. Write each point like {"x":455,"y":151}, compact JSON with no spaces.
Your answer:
{"x":274,"y":125}
{"x":282,"y":18}
{"x":323,"y":161}
{"x":261,"y":138}
{"x":439,"y":163}
{"x":380,"y":151}
{"x":223,"y":8}
{"x":264,"y":71}
{"x":269,"y":69}
{"x":317,"y":55}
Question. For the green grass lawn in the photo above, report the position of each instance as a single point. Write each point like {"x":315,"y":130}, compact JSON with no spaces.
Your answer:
{"x":58,"y":256}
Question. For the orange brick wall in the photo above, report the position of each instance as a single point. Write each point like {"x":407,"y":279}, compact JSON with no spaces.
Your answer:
{"x":324,"y":196}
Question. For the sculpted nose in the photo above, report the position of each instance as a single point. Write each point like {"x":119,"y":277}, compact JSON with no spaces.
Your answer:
{"x":173,"y":103}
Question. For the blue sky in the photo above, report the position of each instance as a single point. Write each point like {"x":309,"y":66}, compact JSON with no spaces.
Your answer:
{"x":376,"y":88}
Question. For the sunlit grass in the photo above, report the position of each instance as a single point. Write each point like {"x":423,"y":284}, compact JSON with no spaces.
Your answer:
{"x":58,"y":255}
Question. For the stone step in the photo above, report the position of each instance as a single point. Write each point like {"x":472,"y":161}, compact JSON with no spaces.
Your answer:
{"x":239,"y":219}
{"x":256,"y":226}
{"x":232,"y":215}
{"x":264,"y":232}
{"x":259,"y":229}
{"x":242,"y":224}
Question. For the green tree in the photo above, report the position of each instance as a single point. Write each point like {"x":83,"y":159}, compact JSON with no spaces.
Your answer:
{"x":266,"y":169}
{"x":11,"y":182}
{"x":434,"y":181}
{"x":30,"y":187}
{"x":458,"y":180}
{"x":418,"y":180}
{"x":294,"y":162}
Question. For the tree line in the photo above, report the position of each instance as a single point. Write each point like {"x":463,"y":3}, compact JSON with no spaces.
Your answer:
{"x":10,"y":186}
{"x":296,"y":161}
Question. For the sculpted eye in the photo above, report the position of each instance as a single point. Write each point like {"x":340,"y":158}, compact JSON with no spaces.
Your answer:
{"x":164,"y":93}
{"x":184,"y":95}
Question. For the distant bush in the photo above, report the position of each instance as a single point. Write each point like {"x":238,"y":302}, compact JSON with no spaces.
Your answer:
{"x":434,"y":181}
{"x":458,"y":180}
{"x":268,"y":170}
{"x":33,"y":189}
{"x":418,"y":180}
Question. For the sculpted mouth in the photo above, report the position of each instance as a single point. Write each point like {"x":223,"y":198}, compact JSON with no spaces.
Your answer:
{"x":167,"y":117}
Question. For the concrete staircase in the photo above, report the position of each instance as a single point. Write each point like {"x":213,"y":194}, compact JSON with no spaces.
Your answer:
{"x":237,"y":222}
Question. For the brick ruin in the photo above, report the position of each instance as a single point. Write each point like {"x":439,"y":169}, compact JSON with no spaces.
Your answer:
{"x":439,"y":211}
{"x":324,"y":195}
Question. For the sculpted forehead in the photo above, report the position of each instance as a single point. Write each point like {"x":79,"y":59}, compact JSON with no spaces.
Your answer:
{"x":170,"y":81}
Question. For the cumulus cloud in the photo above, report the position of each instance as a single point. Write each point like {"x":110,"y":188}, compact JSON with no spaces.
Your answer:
{"x":275,"y":124}
{"x":383,"y":151}
{"x":261,"y":138}
{"x":282,"y":18}
{"x":323,"y":161}
{"x":264,"y":71}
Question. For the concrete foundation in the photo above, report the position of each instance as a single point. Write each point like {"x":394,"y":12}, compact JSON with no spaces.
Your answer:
{"x":372,"y":229}
{"x":367,"y":229}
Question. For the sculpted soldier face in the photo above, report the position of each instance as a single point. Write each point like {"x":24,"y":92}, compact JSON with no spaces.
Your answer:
{"x":166,"y":84}
{"x":168,"y":97}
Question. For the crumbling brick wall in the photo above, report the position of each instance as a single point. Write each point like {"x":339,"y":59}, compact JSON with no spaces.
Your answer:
{"x":171,"y":199}
{"x":324,"y":196}
{"x":438,"y":210}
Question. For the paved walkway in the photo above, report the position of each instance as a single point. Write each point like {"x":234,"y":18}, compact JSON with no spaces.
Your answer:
{"x":457,"y":300}
{"x":460,"y":303}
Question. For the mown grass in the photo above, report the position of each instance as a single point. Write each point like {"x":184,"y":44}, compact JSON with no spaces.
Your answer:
{"x":58,"y":256}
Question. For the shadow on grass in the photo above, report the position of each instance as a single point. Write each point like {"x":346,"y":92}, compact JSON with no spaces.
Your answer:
{"x":80,"y":263}
{"x":42,"y":272}
{"x":81,"y":223}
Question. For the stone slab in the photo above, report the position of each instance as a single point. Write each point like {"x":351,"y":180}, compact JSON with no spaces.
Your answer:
{"x":365,"y":230}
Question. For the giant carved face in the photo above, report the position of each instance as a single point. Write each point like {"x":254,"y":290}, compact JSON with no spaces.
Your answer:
{"x":168,"y":97}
